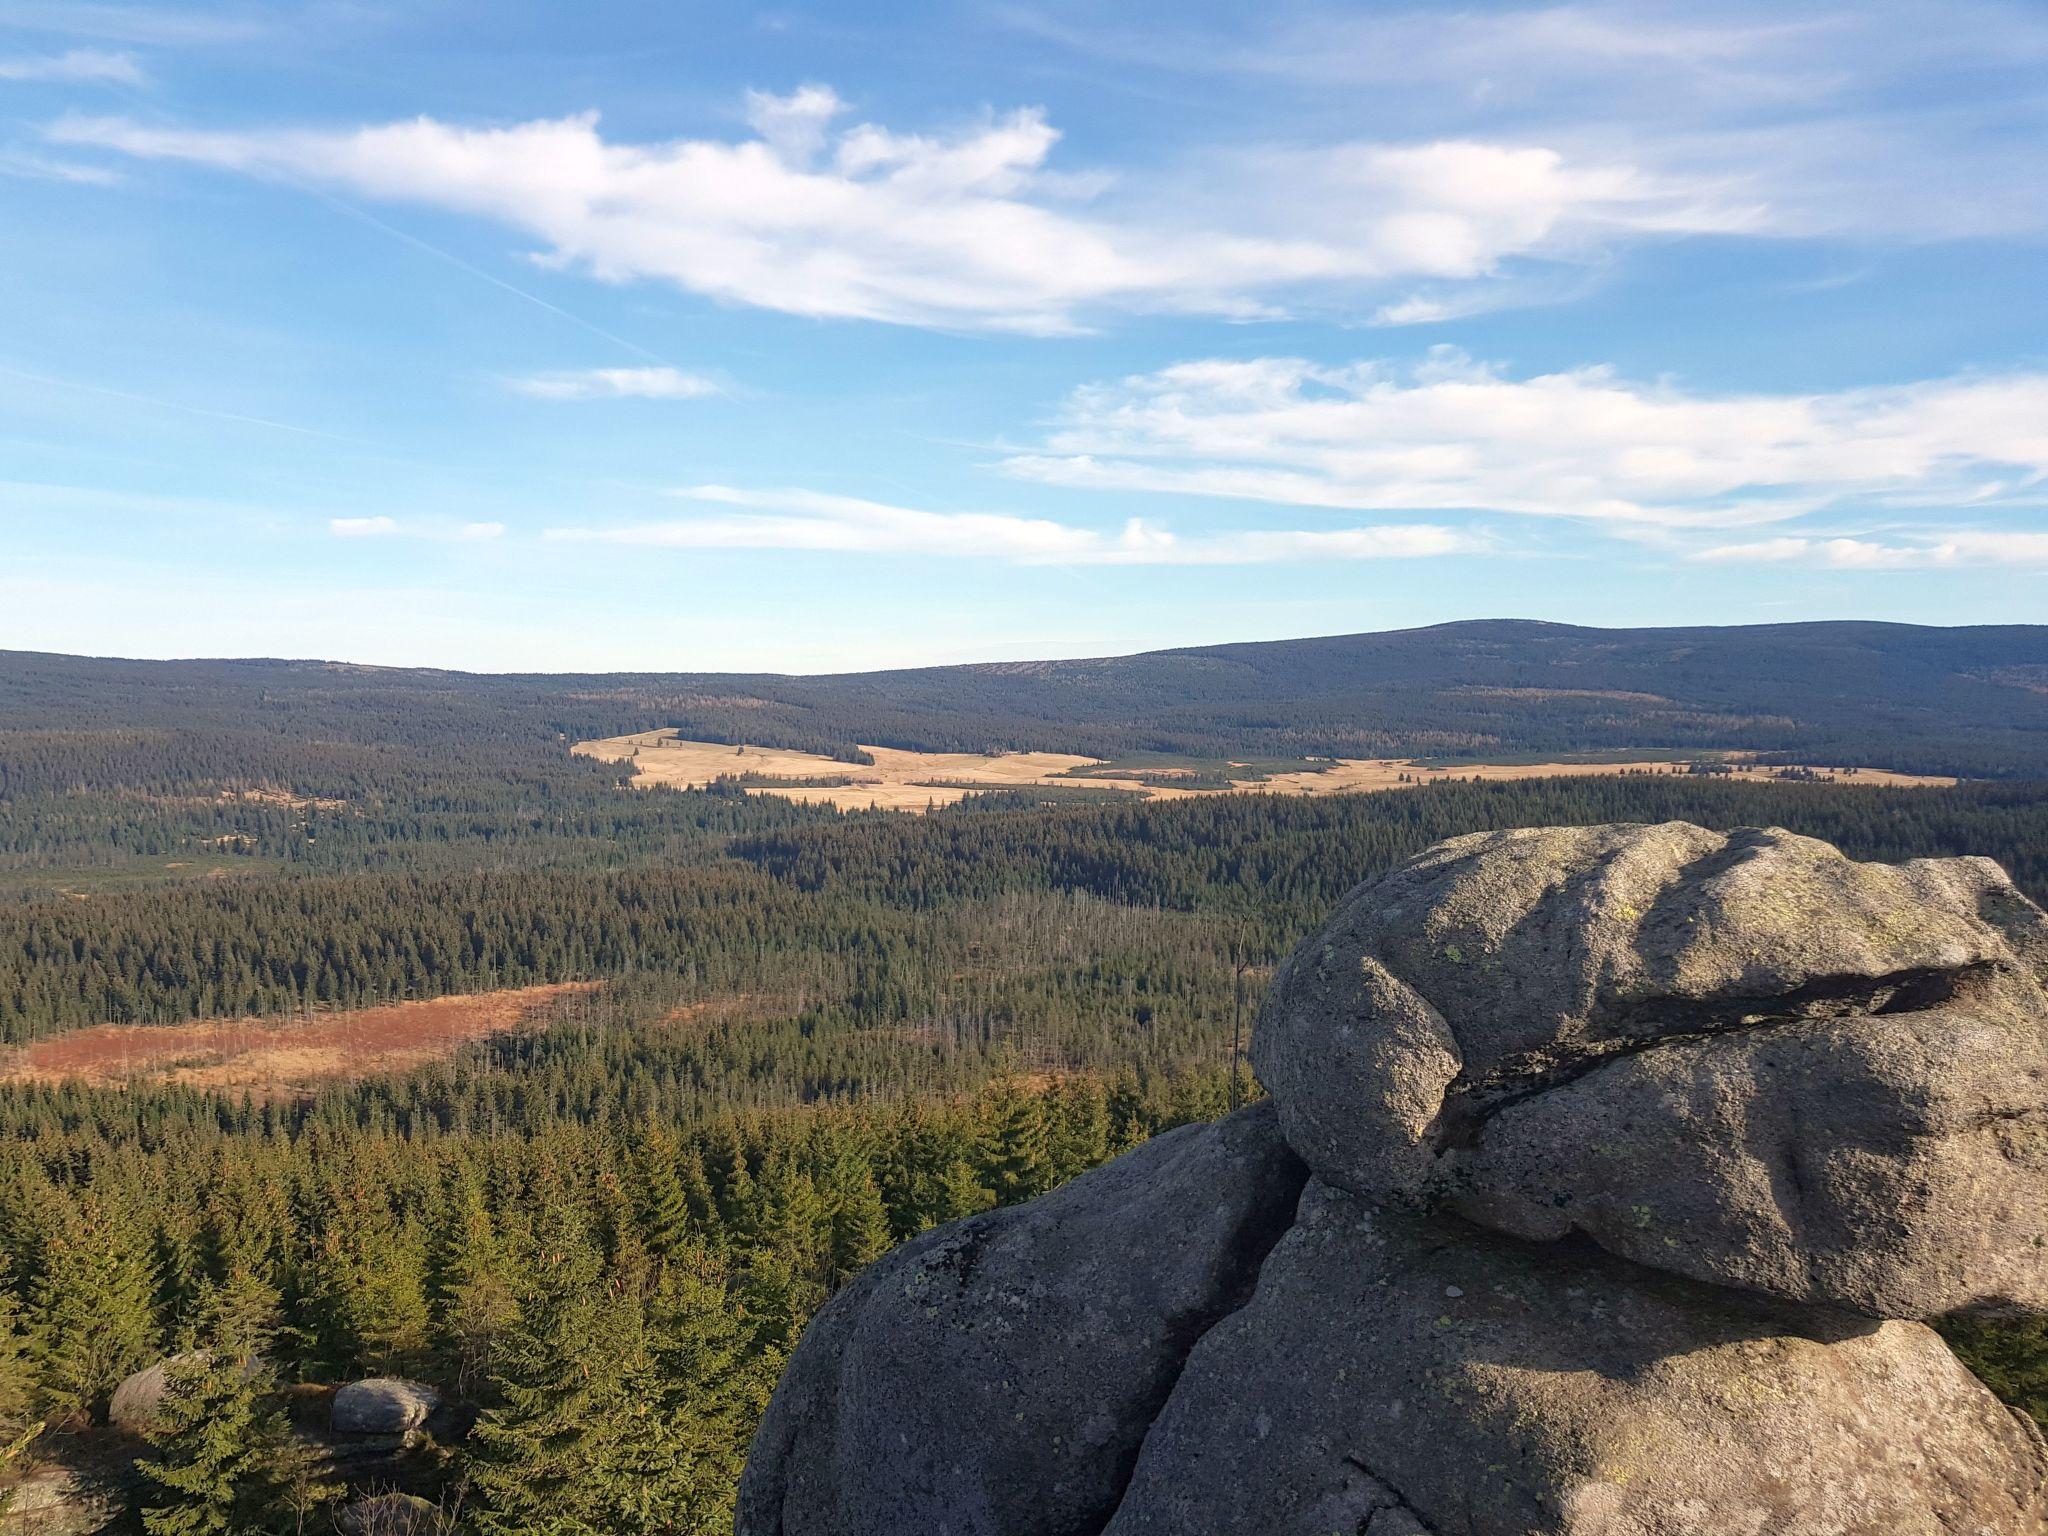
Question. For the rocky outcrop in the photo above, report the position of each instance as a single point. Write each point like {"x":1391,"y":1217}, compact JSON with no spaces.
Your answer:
{"x":1635,"y":1155}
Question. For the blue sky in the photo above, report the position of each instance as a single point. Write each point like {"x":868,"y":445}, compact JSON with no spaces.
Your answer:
{"x":821,"y":337}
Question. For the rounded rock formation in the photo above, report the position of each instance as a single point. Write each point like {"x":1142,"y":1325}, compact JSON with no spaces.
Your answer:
{"x":1634,"y":1156}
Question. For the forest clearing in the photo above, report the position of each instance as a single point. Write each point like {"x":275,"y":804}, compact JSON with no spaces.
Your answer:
{"x":278,"y":1058}
{"x":902,"y":780}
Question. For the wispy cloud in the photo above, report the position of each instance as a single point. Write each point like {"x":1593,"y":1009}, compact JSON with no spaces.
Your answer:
{"x":812,"y":520}
{"x":77,"y":66}
{"x":1835,"y":119}
{"x":615,"y":384}
{"x":1457,"y":434}
{"x":1927,"y":552}
{"x":43,"y":168}
{"x":974,"y":228}
{"x":381,"y":527}
{"x":163,"y":25}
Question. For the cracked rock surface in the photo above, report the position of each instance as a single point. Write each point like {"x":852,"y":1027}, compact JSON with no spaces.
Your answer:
{"x":1636,"y":1151}
{"x":1742,"y":1057}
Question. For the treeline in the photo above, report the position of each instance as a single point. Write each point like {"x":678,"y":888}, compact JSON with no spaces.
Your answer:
{"x":611,"y":1306}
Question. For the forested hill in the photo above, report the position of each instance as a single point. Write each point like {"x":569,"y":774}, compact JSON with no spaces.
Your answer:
{"x":1968,"y":700}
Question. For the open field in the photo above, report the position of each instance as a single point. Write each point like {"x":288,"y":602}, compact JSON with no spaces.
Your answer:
{"x":915,"y":781}
{"x":272,"y":1059}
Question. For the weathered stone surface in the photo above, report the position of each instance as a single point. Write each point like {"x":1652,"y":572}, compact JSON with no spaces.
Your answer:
{"x":1652,"y":1033}
{"x":994,"y":1377}
{"x":390,"y":1514}
{"x":383,"y":1405}
{"x":57,"y":1501}
{"x":1402,"y":1373}
{"x":1897,"y":1164}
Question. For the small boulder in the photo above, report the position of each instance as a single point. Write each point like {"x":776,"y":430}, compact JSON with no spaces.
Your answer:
{"x":383,"y":1405}
{"x":136,"y":1402}
{"x":390,"y":1514}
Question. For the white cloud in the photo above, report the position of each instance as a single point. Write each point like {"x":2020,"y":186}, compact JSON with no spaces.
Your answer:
{"x":661,"y":383}
{"x":1454,"y":434}
{"x":362,"y":527}
{"x":973,"y":228}
{"x":811,"y":520}
{"x":78,"y":66}
{"x":479,"y":533}
{"x":1978,"y":547}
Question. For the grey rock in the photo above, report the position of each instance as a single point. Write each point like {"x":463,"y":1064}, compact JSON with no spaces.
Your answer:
{"x":383,"y":1405}
{"x":1651,"y":1033}
{"x":1395,"y":1372}
{"x":994,"y":1377}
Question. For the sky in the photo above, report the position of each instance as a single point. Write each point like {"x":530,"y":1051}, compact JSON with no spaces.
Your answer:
{"x":810,"y":338}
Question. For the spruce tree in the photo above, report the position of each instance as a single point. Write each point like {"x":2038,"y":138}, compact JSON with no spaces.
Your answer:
{"x":1014,"y":1155}
{"x":93,"y":1316}
{"x":689,"y":1408}
{"x":224,"y":1464}
{"x":534,"y":1458}
{"x":17,"y":1372}
{"x":858,"y":1221}
{"x":665,"y":1218}
{"x":474,"y":1300}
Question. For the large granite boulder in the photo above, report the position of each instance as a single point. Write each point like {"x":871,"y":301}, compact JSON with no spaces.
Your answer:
{"x":1637,"y":1151}
{"x":997,"y":1375}
{"x":1741,"y":1056}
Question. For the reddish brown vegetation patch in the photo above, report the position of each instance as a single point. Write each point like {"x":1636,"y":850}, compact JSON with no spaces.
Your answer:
{"x":278,"y":1059}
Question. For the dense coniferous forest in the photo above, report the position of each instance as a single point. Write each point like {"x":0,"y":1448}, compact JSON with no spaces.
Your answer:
{"x":812,"y":1035}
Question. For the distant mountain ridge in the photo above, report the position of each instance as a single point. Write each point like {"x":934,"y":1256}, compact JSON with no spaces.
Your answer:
{"x":1971,"y":700}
